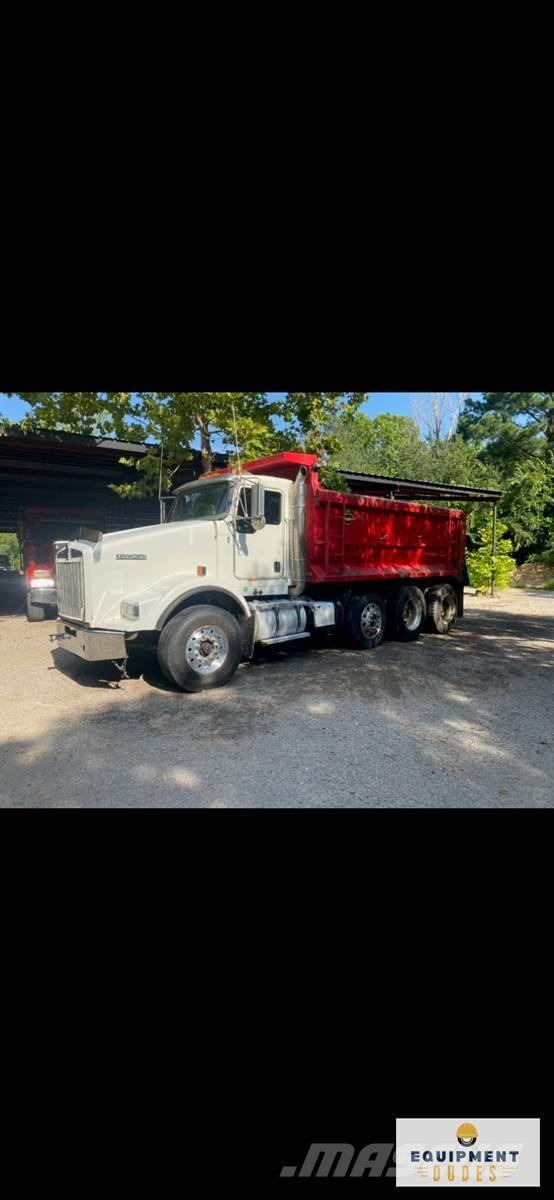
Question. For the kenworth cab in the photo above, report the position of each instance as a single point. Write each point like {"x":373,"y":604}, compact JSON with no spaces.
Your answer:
{"x":263,"y":555}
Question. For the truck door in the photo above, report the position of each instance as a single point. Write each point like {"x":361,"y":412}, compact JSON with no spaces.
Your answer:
{"x":260,"y":557}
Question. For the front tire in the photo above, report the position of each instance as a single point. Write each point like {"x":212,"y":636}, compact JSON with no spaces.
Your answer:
{"x":408,"y":613}
{"x":35,"y":612}
{"x":366,"y":620}
{"x":200,"y":648}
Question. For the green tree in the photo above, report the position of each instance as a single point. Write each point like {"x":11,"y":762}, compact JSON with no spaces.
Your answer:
{"x":383,"y":445}
{"x":392,"y":445}
{"x":514,"y":432}
{"x":511,"y":427}
{"x":309,"y":418}
{"x":528,"y":504}
{"x":482,"y":566}
{"x":455,"y":461}
{"x":176,"y":419}
{"x":9,"y":548}
{"x":92,"y":413}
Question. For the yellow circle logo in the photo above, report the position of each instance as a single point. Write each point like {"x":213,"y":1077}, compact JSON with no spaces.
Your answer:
{"x":466,"y":1134}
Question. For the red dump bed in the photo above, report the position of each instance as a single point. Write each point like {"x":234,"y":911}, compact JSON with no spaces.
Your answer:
{"x":351,"y":537}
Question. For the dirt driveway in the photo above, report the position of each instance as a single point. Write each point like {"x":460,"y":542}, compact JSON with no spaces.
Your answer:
{"x":464,"y":721}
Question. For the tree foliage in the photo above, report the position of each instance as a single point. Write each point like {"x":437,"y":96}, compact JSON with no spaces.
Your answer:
{"x":309,"y":419}
{"x":92,"y":413}
{"x":392,"y":445}
{"x":511,"y":427}
{"x":514,"y":433}
{"x":482,"y":566}
{"x":9,"y":547}
{"x":384,"y":445}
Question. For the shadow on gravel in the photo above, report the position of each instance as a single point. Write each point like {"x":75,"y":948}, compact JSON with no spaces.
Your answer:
{"x":141,"y":665}
{"x":12,"y":596}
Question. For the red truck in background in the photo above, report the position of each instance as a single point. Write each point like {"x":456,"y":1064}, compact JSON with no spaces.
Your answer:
{"x":39,"y":531}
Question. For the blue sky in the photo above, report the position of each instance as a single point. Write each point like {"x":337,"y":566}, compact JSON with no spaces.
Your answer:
{"x":394,"y":402}
{"x":380,"y":402}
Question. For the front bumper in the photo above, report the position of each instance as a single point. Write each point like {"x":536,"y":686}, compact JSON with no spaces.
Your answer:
{"x":94,"y":645}
{"x":43,"y":596}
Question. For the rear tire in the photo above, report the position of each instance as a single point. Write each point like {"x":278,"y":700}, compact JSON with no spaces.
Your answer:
{"x":408,"y":613}
{"x":366,"y":620}
{"x":35,"y":612}
{"x":200,"y":648}
{"x":442,"y":609}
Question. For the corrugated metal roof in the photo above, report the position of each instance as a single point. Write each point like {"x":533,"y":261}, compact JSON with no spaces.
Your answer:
{"x":415,"y":489}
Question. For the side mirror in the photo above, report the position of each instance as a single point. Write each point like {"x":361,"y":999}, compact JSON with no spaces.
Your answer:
{"x":258,"y":506}
{"x":257,"y":520}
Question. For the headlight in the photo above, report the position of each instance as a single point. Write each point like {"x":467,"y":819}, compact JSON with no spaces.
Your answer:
{"x":130,"y":612}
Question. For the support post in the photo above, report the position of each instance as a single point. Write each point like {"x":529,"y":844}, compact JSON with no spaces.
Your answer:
{"x":493,"y":562}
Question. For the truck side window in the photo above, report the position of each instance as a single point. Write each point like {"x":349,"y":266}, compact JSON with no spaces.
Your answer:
{"x":273,"y":508}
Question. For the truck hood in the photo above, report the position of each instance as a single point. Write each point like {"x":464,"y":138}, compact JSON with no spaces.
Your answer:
{"x":145,"y":534}
{"x":144,"y":565}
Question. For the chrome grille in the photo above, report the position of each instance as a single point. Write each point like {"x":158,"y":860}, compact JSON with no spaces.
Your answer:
{"x":71,"y":588}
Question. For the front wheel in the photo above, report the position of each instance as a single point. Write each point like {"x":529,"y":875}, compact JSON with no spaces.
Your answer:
{"x":365,"y":620}
{"x":408,"y":613}
{"x":35,"y":612}
{"x":200,"y":648}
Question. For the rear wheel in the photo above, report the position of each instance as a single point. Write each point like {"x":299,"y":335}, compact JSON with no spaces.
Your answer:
{"x":35,"y":612}
{"x":365,"y":620}
{"x":200,"y":648}
{"x":408,"y":613}
{"x":442,"y":609}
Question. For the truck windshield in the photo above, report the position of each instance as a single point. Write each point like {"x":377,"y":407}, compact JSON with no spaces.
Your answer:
{"x":207,"y":502}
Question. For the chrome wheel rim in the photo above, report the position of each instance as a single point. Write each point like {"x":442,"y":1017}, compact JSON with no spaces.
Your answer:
{"x":207,"y":649}
{"x":412,"y":614}
{"x":371,"y":620}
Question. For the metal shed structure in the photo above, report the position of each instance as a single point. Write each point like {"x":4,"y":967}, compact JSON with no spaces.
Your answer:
{"x":66,"y":472}
{"x":416,"y":489}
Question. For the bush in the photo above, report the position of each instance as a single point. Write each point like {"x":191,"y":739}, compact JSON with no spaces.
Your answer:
{"x":547,"y":557}
{"x":480,"y":563}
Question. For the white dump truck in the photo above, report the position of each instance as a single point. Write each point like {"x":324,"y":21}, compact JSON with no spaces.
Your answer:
{"x":263,"y":555}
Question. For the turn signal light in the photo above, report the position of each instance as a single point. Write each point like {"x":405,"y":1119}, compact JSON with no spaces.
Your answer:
{"x":129,"y":611}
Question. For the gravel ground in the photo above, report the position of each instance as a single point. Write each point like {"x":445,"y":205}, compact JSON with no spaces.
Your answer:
{"x":464,"y":721}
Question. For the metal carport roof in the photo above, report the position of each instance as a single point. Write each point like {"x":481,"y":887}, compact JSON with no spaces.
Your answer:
{"x":415,"y":489}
